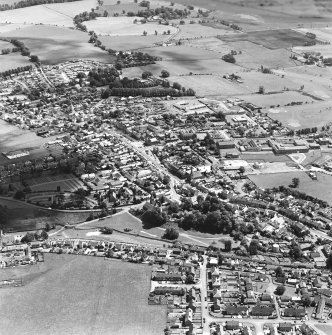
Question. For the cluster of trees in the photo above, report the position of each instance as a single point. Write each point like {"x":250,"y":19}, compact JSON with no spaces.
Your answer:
{"x":85,"y":16}
{"x":229,"y":58}
{"x":29,"y":3}
{"x":21,"y":46}
{"x":165,"y":13}
{"x":136,"y":58}
{"x":153,"y":217}
{"x":100,"y":76}
{"x":37,"y":236}
{"x":16,"y":71}
{"x":265,"y":70}
{"x":147,"y":92}
{"x":306,"y":131}
{"x":209,"y":215}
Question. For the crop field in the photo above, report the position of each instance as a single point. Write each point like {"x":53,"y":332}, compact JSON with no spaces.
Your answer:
{"x":266,"y":157}
{"x":320,"y":188}
{"x":119,"y":26}
{"x":271,"y":39}
{"x":131,"y":42}
{"x":85,"y":295}
{"x":323,"y":34}
{"x":303,"y":116}
{"x":54,"y":45}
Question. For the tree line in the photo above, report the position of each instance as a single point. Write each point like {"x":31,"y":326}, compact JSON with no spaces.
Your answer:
{"x":29,"y":3}
{"x":16,"y":71}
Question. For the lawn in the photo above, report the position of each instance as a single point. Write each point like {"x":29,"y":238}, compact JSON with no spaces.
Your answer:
{"x":54,"y":45}
{"x":80,"y":295}
{"x":327,"y":329}
{"x":320,"y":188}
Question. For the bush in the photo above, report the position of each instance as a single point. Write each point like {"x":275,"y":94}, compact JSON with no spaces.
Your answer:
{"x":106,"y":230}
{"x":229,"y":58}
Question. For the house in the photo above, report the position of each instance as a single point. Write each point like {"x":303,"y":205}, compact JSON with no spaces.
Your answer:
{"x":233,"y":325}
{"x":285,"y":327}
{"x":188,"y":319}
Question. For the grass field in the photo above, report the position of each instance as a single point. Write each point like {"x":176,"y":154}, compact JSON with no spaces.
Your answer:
{"x":55,"y":45}
{"x":318,"y":114}
{"x":80,"y":295}
{"x":119,"y":26}
{"x":320,"y":188}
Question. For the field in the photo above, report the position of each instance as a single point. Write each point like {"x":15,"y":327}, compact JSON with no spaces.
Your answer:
{"x":119,"y":26}
{"x":265,"y":157}
{"x":14,"y":138}
{"x":303,"y":116}
{"x":59,"y":14}
{"x":54,"y":45}
{"x":84,"y":295}
{"x":23,"y":216}
{"x":201,"y":31}
{"x":131,"y":42}
{"x":282,"y":99}
{"x":271,"y":39}
{"x":320,"y":188}
{"x":12,"y":61}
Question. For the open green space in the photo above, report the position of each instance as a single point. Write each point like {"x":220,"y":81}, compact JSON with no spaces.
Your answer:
{"x":80,"y":295}
{"x":327,"y":329}
{"x":54,"y":45}
{"x":320,"y":188}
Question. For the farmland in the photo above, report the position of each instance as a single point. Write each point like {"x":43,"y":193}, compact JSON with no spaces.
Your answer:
{"x":320,"y":188}
{"x":275,"y":39}
{"x":117,"y":26}
{"x":93,"y":299}
{"x":54,"y":45}
{"x":12,"y":61}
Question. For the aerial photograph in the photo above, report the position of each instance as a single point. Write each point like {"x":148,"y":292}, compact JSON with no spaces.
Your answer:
{"x":165,"y":167}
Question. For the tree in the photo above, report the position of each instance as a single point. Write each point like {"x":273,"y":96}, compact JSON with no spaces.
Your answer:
{"x":329,"y":261}
{"x":186,"y":204}
{"x":19,"y":195}
{"x":27,"y":238}
{"x":241,"y":170}
{"x":147,"y":74}
{"x":295,"y":182}
{"x":306,"y":300}
{"x":253,"y":247}
{"x":34,"y":59}
{"x":153,"y":218}
{"x":106,"y":230}
{"x":174,"y":207}
{"x":171,"y":234}
{"x":228,"y":245}
{"x":229,"y":58}
{"x":190,"y":279}
{"x":280,"y":290}
{"x":164,"y":74}
{"x":295,"y":252}
{"x":44,"y":235}
{"x":3,"y":216}
{"x":279,"y":272}
{"x":261,"y":90}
